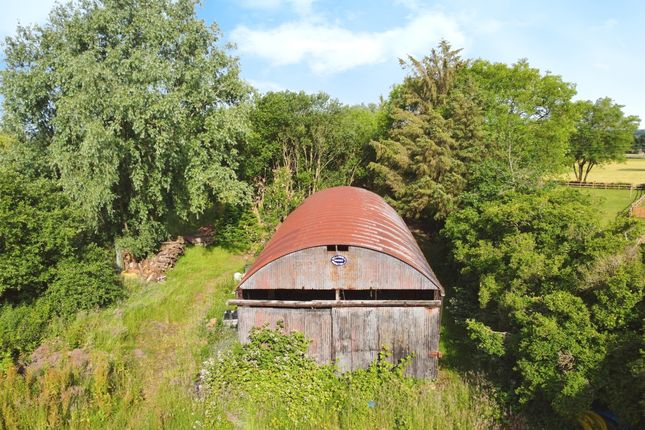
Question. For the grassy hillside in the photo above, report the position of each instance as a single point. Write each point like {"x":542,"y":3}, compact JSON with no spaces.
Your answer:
{"x":135,"y":366}
{"x":132,"y":366}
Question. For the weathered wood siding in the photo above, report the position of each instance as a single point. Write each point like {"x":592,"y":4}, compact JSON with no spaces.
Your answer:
{"x":360,"y":333}
{"x":311,"y":269}
{"x":314,"y":323}
{"x":353,"y":336}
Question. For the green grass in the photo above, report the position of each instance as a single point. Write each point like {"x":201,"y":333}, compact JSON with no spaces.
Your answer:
{"x":144,"y":355}
{"x":632,"y":171}
{"x":611,"y":202}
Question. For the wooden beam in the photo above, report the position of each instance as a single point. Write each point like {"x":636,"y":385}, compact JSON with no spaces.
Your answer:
{"x":311,"y":304}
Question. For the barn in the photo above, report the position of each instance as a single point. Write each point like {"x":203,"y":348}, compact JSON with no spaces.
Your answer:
{"x":344,"y":269}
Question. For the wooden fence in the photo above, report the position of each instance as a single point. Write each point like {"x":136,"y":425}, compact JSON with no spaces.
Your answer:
{"x":634,"y":209}
{"x":603,"y":185}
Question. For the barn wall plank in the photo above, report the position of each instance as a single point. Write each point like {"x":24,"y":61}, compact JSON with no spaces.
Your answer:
{"x":353,"y":337}
{"x":314,"y":323}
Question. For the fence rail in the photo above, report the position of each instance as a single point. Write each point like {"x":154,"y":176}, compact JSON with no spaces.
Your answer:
{"x":603,"y":185}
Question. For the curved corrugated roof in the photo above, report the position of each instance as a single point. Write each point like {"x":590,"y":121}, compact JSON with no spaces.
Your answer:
{"x":345,"y":216}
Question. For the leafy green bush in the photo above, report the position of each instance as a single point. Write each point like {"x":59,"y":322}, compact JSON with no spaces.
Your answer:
{"x":37,"y":229}
{"x":272,"y":383}
{"x":49,"y":266}
{"x":144,"y":241}
{"x":545,"y":293}
{"x":238,"y":229}
{"x":85,"y":283}
{"x":22,"y":328}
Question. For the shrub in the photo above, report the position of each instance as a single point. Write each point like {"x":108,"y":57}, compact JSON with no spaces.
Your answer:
{"x":85,"y":283}
{"x":22,"y":328}
{"x":272,"y":383}
{"x":49,"y":265}
{"x":37,"y":229}
{"x":544,"y":292}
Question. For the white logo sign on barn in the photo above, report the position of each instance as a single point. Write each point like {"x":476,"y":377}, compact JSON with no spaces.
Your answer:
{"x":338,"y":260}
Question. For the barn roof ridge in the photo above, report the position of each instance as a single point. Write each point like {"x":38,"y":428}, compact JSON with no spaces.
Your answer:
{"x":350,"y":216}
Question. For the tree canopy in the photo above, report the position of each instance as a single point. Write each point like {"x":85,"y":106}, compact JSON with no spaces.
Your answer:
{"x":529,"y":117}
{"x":549,"y":297}
{"x":458,"y":126}
{"x":603,"y":134}
{"x":435,"y":125}
{"x":138,"y":107}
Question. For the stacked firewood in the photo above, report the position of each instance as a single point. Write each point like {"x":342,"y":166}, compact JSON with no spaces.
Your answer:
{"x":154,"y":268}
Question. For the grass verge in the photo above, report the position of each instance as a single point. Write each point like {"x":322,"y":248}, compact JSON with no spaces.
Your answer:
{"x":610,"y":203}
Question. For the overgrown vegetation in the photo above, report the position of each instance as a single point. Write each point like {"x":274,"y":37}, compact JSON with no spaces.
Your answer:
{"x":49,"y":265}
{"x":548,"y":297}
{"x":271,"y":383}
{"x":129,"y":366}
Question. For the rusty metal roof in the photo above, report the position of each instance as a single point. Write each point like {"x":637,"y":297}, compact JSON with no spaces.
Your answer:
{"x":345,"y":216}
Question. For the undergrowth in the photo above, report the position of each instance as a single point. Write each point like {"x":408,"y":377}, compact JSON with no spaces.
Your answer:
{"x":135,"y":366}
{"x":130,"y":366}
{"x":271,"y":383}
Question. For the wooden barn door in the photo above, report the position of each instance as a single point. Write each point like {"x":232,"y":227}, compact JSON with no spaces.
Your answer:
{"x":358,"y":334}
{"x":314,"y":323}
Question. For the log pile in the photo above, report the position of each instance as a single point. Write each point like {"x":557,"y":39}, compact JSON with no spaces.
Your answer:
{"x":154,"y":268}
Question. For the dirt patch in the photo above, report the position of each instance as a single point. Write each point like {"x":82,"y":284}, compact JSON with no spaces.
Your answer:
{"x":49,"y":355}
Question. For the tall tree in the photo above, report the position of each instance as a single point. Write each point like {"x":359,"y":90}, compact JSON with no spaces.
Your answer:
{"x":435,"y":128}
{"x":603,"y":134}
{"x":138,"y":107}
{"x":529,"y":117}
{"x":316,"y":139}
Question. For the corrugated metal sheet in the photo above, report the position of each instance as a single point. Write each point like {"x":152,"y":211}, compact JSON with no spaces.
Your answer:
{"x":345,"y":216}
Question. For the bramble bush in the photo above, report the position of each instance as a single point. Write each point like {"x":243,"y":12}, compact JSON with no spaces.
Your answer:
{"x":272,"y":383}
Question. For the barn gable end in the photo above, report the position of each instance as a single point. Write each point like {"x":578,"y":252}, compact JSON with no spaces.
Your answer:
{"x":345,"y":270}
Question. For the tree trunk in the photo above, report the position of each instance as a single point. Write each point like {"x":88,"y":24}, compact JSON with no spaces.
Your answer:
{"x":589,"y":167}
{"x":578,"y":172}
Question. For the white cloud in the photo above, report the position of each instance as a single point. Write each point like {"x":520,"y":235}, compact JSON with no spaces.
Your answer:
{"x":302,"y":7}
{"x":24,"y":12}
{"x":328,"y":49}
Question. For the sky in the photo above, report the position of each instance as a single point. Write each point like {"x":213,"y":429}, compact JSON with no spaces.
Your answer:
{"x":350,"y":49}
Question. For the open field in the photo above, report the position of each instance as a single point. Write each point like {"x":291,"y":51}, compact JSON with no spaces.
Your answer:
{"x":611,"y":202}
{"x":632,"y":171}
